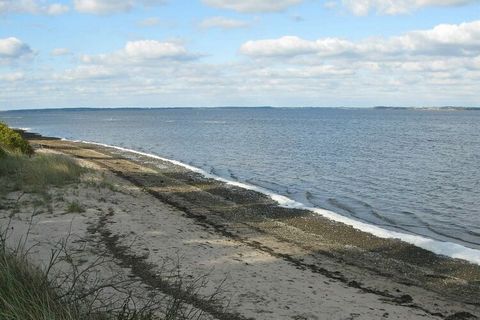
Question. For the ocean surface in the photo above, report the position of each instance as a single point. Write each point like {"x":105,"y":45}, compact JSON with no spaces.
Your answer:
{"x":415,"y":172}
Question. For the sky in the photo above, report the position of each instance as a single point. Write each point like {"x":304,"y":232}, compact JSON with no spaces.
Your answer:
{"x":207,"y":53}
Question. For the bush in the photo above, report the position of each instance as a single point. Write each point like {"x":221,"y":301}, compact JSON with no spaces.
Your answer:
{"x":13,"y":141}
{"x":75,"y":207}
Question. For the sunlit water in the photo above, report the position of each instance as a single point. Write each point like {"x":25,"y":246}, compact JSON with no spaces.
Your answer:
{"x":416,"y":172}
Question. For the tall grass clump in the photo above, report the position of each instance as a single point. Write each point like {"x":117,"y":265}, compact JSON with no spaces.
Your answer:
{"x":25,"y":293}
{"x":65,"y":290}
{"x":12,"y":141}
{"x":34,"y":174}
{"x":21,"y":170}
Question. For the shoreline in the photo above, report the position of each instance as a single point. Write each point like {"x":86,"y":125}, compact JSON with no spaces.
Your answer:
{"x":442,"y":248}
{"x":391,"y":269}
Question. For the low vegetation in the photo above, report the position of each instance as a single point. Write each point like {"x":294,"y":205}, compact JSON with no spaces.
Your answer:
{"x":11,"y":140}
{"x":75,"y":207}
{"x":75,"y":291}
{"x":21,"y":170}
{"x":36,"y":173}
{"x":25,"y":293}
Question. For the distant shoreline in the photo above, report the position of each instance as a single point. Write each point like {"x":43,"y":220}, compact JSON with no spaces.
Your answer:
{"x":442,"y":108}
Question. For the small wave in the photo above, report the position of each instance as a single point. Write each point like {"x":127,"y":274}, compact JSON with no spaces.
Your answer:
{"x":23,"y":129}
{"x":112,"y":119}
{"x":449,"y":249}
{"x":214,"y":122}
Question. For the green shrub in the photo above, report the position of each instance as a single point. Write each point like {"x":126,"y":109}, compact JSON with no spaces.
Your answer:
{"x":75,"y":207}
{"x":13,"y":141}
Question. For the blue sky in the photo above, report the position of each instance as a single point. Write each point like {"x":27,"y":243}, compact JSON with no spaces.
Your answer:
{"x":239,"y":52}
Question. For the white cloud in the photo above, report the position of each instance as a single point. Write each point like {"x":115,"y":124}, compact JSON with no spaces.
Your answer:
{"x":32,"y":7}
{"x":152,"y":49}
{"x":289,"y":46}
{"x":443,"y":40}
{"x":223,"y":23}
{"x":302,"y":72}
{"x":432,"y":65}
{"x":87,"y":73}
{"x":142,"y":52}
{"x":60,"y":52}
{"x":12,"y":77}
{"x":112,"y":6}
{"x":57,"y":9}
{"x":253,"y":6}
{"x":393,"y":7}
{"x":13,"y":48}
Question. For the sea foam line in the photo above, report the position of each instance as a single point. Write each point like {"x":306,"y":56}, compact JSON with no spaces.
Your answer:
{"x":445,"y":248}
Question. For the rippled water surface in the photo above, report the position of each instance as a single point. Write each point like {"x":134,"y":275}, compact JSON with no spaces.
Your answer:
{"x":411,"y":171}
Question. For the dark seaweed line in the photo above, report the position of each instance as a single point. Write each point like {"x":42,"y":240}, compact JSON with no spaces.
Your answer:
{"x":403,"y":300}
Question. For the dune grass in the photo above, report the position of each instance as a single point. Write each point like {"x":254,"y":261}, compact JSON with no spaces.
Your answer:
{"x":31,"y":293}
{"x":34,"y":174}
{"x":25,"y":293}
{"x":22,"y":170}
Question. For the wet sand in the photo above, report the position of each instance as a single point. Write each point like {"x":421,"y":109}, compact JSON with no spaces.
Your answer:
{"x":280,"y":263}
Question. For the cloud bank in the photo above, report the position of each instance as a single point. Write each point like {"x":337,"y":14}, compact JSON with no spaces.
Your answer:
{"x":252,"y":6}
{"x":443,"y":40}
{"x":435,"y":66}
{"x":112,"y":6}
{"x":389,"y":7}
{"x":32,"y":7}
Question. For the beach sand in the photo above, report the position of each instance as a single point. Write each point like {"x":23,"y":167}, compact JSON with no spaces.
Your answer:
{"x":270,"y":262}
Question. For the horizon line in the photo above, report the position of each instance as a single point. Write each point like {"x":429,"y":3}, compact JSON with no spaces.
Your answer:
{"x":245,"y":107}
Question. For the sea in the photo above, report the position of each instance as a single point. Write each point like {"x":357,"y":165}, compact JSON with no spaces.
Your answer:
{"x":407,"y":173}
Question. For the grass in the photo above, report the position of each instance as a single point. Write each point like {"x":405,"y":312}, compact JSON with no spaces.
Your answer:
{"x":31,"y":293}
{"x":21,"y":170}
{"x":36,"y":173}
{"x":75,"y":207}
{"x":25,"y":293}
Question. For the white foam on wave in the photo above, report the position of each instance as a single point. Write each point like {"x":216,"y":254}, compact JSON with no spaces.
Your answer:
{"x":449,"y":249}
{"x":23,"y":129}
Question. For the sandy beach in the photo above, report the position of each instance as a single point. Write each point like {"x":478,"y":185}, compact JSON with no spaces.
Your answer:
{"x":269,"y":262}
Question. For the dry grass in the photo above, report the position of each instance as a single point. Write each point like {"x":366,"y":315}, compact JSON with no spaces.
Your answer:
{"x":35,"y":174}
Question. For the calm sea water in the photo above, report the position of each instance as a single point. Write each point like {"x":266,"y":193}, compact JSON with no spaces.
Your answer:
{"x":411,"y":171}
